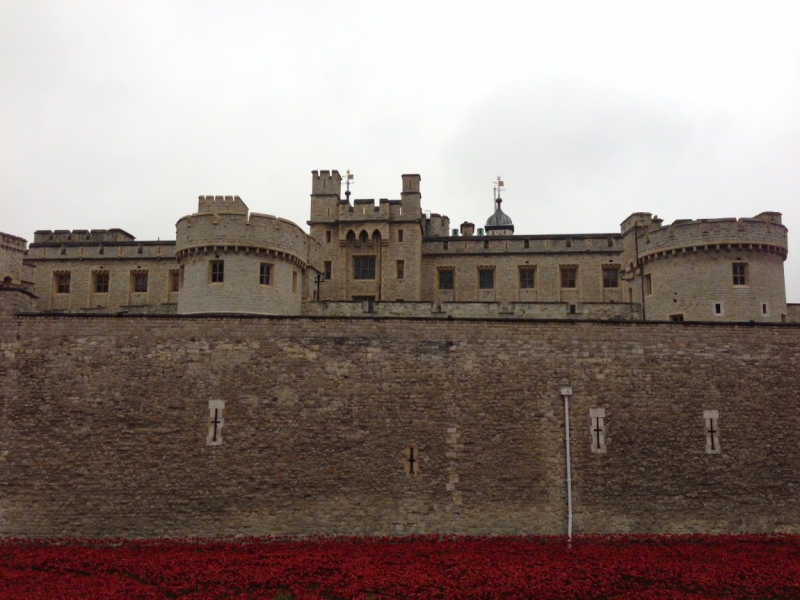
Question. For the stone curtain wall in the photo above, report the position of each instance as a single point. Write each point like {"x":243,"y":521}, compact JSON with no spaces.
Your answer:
{"x":104,"y":421}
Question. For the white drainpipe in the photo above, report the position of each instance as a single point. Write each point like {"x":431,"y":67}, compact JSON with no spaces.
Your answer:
{"x":566,"y":392}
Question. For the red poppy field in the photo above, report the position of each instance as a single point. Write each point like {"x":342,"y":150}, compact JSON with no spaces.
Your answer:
{"x":697,"y":566}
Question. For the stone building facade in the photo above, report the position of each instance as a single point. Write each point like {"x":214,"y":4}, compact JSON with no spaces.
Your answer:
{"x":386,"y":374}
{"x":391,"y":258}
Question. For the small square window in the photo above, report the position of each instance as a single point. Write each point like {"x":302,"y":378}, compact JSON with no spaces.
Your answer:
{"x":446,"y":279}
{"x":526,"y":278}
{"x":569,"y":277}
{"x":100,"y":282}
{"x":328,"y":269}
{"x":140,"y":283}
{"x":217,"y":271}
{"x":400,"y":236}
{"x":401,"y":268}
{"x":63,"y":283}
{"x":486,"y":279}
{"x":610,"y":277}
{"x":739,"y":273}
{"x":364,"y":267}
{"x":265,"y":274}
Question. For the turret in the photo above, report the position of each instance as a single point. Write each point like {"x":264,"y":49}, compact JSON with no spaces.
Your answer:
{"x":411,"y":196}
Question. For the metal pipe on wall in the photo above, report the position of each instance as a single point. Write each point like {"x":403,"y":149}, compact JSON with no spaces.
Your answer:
{"x":566,"y":392}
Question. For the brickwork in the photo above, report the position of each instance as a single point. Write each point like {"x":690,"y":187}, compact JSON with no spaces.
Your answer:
{"x":262,"y":258}
{"x":477,"y":310}
{"x":120,"y":261}
{"x":103,"y":426}
{"x":12,"y":249}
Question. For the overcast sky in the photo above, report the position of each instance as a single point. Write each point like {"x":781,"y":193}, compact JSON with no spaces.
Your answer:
{"x":119,"y":114}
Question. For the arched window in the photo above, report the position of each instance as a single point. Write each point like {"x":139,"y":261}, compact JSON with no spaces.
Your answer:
{"x":351,"y":238}
{"x":363,"y":238}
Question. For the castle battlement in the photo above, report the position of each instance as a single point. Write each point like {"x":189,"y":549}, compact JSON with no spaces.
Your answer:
{"x":220,"y":204}
{"x":326,"y":183}
{"x":690,"y":235}
{"x":77,"y":236}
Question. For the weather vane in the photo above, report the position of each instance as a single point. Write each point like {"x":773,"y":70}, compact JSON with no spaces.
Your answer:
{"x":348,"y":179}
{"x":497,"y":189}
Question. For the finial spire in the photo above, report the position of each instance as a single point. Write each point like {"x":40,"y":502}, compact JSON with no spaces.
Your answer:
{"x":348,"y":179}
{"x":499,"y":186}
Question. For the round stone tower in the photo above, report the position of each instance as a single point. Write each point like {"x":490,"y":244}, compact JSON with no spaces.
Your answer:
{"x":715,"y":270}
{"x":232,"y":263}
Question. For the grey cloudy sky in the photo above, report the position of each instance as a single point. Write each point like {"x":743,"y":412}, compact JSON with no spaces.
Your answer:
{"x":119,"y":114}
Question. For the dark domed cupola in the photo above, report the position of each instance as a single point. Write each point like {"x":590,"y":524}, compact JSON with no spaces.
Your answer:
{"x":499,"y":223}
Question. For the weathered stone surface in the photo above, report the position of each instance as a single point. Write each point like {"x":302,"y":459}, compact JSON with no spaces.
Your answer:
{"x":104,"y":420}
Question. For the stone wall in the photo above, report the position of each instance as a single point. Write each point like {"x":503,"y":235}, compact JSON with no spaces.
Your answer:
{"x":12,"y":249}
{"x":476,"y":310}
{"x":121,"y":261}
{"x":104,"y":422}
{"x":793,"y":313}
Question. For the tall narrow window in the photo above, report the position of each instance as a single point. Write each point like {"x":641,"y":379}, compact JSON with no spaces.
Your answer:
{"x":526,"y":278}
{"x":401,"y":266}
{"x":364,"y":267}
{"x":711,"y":420}
{"x":527,"y":243}
{"x":328,"y":237}
{"x":63,"y":282}
{"x":217,"y":271}
{"x":412,"y":460}
{"x":174,"y":281}
{"x":569,"y":277}
{"x":648,"y":285}
{"x":486,"y":279}
{"x":100,"y":282}
{"x":294,"y":282}
{"x":610,"y":276}
{"x":597,"y":416}
{"x":444,"y":245}
{"x":400,"y":236}
{"x":764,"y":309}
{"x":446,"y":279}
{"x":140,"y":282}
{"x":215,"y":422}
{"x":265,"y":274}
{"x":328,"y":269}
{"x":739,"y":273}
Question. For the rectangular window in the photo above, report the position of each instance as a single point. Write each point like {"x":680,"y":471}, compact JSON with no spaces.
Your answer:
{"x":400,"y":236}
{"x":718,"y":308}
{"x":174,"y":281}
{"x":764,"y":309}
{"x":140,"y":283}
{"x":100,"y":282}
{"x":265,"y":274}
{"x":527,"y":243}
{"x":217,"y":271}
{"x":569,"y":277}
{"x":648,"y":285}
{"x":597,"y":417}
{"x":401,"y":264}
{"x":62,"y":283}
{"x":444,"y":245}
{"x":486,"y":279}
{"x":327,"y":237}
{"x":526,"y":278}
{"x":610,"y":277}
{"x":446,"y":279}
{"x":364,"y":267}
{"x":294,"y":282}
{"x":678,"y":318}
{"x":711,"y":422}
{"x":328,"y":269}
{"x":739,"y":273}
